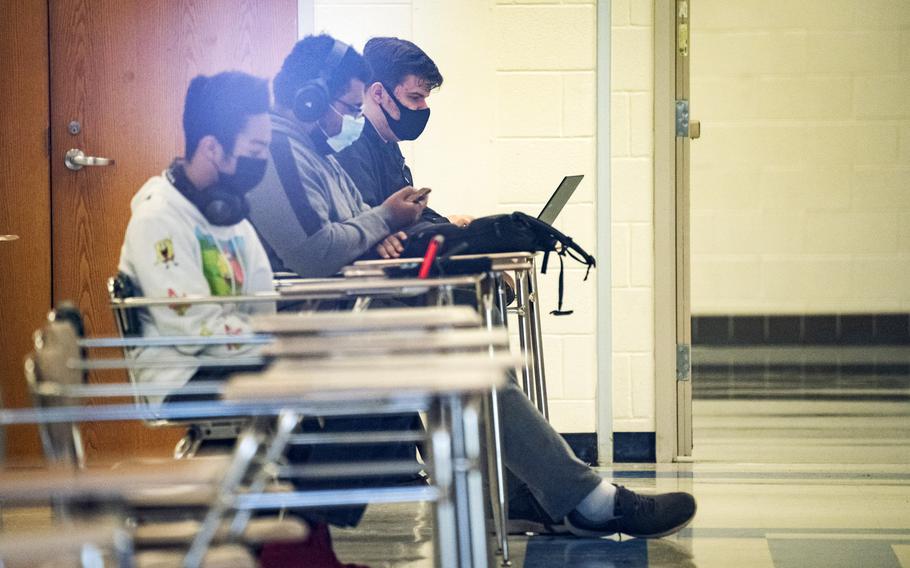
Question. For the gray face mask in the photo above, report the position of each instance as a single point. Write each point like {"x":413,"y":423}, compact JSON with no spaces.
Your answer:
{"x":350,"y":131}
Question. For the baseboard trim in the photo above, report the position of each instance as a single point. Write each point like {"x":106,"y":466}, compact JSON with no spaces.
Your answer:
{"x":628,"y":447}
{"x":831,"y":329}
{"x":637,"y":447}
{"x":584,"y":444}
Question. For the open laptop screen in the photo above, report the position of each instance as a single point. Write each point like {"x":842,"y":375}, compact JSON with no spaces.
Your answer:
{"x":558,"y":200}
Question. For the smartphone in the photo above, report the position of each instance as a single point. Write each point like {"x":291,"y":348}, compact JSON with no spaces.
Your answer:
{"x":420,"y":194}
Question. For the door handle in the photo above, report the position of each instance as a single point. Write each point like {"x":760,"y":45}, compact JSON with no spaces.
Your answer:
{"x":5,"y":238}
{"x":76,"y":159}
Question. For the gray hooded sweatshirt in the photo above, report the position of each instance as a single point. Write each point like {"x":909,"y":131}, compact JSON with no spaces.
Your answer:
{"x":307,"y":210}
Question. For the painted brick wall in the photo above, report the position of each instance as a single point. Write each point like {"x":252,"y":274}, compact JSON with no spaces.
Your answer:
{"x":544,"y":128}
{"x":632,"y":143}
{"x":801,"y":180}
{"x":516,"y":113}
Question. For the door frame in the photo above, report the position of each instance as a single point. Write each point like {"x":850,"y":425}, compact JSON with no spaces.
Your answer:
{"x":306,"y":18}
{"x":672,"y":312}
{"x":604,"y":216}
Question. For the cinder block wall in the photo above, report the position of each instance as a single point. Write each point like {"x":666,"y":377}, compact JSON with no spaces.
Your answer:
{"x":801,"y":180}
{"x":632,"y":143}
{"x":516,"y":113}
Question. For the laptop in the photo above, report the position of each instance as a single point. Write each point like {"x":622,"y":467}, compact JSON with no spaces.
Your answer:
{"x":558,"y":200}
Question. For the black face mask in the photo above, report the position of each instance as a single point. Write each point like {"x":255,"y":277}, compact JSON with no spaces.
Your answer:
{"x":224,"y":203}
{"x":411,"y":123}
{"x":248,"y":174}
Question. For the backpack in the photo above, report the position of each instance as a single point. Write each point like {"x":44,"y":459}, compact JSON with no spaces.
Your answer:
{"x":515,"y":232}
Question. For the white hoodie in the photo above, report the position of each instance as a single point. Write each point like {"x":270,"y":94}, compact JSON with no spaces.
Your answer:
{"x":171,"y":250}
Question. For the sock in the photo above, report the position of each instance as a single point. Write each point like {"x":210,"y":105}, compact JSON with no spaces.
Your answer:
{"x":598,"y":505}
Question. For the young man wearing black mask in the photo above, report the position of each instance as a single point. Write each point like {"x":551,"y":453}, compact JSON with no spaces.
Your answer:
{"x":307,"y":209}
{"x":396,"y":109}
{"x":188,"y":233}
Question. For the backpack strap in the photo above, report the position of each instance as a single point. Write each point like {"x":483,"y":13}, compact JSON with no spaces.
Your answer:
{"x":286,"y":166}
{"x":559,"y":311}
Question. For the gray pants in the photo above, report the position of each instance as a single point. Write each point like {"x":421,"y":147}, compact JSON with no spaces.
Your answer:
{"x":539,"y":457}
{"x":536,"y":456}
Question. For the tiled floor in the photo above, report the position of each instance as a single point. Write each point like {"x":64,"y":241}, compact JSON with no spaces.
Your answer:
{"x":788,"y":481}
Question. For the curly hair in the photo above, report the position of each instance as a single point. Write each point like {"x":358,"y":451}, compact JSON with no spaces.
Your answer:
{"x":307,"y":61}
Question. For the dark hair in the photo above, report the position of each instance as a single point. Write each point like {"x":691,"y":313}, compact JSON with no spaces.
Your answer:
{"x":308,"y":60}
{"x":393,"y":59}
{"x":220,"y":106}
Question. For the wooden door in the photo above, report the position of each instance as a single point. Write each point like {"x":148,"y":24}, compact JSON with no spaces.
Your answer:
{"x":25,"y":262}
{"x":119,"y":69}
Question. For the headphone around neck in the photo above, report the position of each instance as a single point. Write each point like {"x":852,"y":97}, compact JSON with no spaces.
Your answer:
{"x":218,"y":206}
{"x":313,"y":99}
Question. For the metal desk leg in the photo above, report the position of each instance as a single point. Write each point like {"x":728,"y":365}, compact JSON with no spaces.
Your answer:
{"x":468,"y":482}
{"x":275,"y":449}
{"x":123,"y":549}
{"x":446,"y":534}
{"x":496,"y":475}
{"x":540,"y":377}
{"x":522,"y":293}
{"x":501,"y":300}
{"x":247,"y":446}
{"x":472,"y":449}
{"x":496,"y":471}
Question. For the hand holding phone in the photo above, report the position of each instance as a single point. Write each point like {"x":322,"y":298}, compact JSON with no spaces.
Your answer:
{"x":402,"y":207}
{"x":421,"y":194}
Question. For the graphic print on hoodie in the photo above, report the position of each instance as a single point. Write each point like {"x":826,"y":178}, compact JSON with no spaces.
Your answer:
{"x":222,"y":263}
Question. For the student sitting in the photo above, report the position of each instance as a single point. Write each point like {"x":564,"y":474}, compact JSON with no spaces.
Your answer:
{"x":188,"y":235}
{"x":307,"y":210}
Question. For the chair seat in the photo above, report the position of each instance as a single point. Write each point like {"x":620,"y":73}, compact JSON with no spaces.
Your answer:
{"x":189,"y":495}
{"x":387,"y":342}
{"x":185,"y":496}
{"x":40,"y":484}
{"x":223,"y":556}
{"x":322,"y":322}
{"x":257,"y":531}
{"x":52,"y":546}
{"x":360,"y":378}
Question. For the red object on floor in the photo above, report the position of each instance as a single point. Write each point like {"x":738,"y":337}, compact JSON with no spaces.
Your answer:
{"x":314,"y":552}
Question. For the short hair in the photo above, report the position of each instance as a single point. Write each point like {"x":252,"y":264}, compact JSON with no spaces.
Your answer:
{"x":307,"y":61}
{"x":393,"y":59}
{"x":220,"y":106}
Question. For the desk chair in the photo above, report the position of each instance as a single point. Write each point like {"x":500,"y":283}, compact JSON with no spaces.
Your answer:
{"x":448,"y":383}
{"x":334,"y":289}
{"x":129,"y":325}
{"x":160,"y":498}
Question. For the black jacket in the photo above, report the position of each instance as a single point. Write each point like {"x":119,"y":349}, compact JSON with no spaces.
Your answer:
{"x":378,"y":169}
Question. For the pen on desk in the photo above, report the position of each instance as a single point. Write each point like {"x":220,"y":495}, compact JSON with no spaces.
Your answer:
{"x":430,"y":256}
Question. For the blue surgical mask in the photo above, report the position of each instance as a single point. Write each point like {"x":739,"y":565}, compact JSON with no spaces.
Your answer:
{"x":350,"y":131}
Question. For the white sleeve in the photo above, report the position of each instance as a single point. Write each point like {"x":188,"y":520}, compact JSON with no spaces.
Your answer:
{"x":260,"y":277}
{"x":164,"y":258}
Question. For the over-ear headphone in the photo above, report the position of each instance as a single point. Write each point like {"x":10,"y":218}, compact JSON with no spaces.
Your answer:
{"x":313,"y":99}
{"x":219,"y":207}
